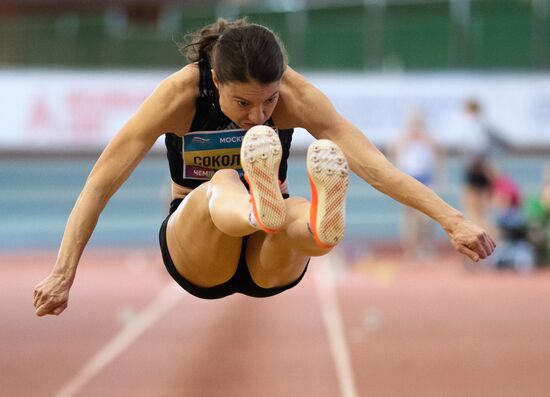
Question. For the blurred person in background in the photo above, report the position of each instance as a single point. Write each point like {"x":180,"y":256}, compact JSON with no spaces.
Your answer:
{"x":515,"y":251}
{"x":231,"y":227}
{"x":537,"y":212}
{"x":417,"y":154}
{"x":477,"y":167}
{"x":479,"y":142}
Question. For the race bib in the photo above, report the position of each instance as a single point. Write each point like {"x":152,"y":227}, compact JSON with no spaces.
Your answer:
{"x":205,"y":152}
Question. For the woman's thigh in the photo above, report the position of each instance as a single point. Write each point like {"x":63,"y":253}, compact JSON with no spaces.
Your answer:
{"x":278,"y":259}
{"x":200,"y":252}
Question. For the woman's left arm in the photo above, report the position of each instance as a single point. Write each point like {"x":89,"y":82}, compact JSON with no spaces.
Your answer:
{"x":314,"y":112}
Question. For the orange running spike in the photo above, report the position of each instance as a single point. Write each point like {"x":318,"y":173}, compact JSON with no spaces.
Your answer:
{"x":328,"y":174}
{"x":261,"y":154}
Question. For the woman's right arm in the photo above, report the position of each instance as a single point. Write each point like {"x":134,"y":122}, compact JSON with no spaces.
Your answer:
{"x":170,"y":108}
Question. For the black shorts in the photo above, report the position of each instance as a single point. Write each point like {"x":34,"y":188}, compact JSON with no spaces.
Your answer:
{"x":478,"y":180}
{"x":241,"y":281}
{"x":477,"y":174}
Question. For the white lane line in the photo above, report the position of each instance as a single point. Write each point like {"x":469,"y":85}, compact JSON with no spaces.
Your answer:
{"x":324,"y":279}
{"x":163,"y":302}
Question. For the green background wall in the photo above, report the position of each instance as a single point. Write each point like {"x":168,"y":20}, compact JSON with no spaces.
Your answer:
{"x":490,"y":34}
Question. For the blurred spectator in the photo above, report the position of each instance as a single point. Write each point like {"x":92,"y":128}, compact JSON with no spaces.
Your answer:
{"x":537,"y":212}
{"x":416,"y":153}
{"x":478,"y":168}
{"x":478,"y":142}
{"x":514,"y":250}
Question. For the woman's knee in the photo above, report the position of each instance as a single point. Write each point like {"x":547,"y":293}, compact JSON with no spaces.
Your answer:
{"x":227,"y":175}
{"x":296,"y":203}
{"x":222,"y":178}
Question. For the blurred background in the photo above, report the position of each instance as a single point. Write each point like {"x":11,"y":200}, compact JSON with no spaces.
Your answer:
{"x":72,"y":72}
{"x":455,"y":92}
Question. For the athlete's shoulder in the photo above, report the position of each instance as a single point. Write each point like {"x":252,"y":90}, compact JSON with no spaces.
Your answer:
{"x":171,"y":106}
{"x":177,"y":93}
{"x":302,"y":104}
{"x":183,"y":82}
{"x":298,"y":100}
{"x":294,"y":82}
{"x":297,"y":88}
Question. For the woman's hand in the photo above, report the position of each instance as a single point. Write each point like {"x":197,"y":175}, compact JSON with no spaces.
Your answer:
{"x":51,"y":295}
{"x":471,"y":240}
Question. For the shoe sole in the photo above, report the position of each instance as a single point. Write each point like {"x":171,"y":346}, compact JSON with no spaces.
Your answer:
{"x":328,"y":175}
{"x":261,"y":154}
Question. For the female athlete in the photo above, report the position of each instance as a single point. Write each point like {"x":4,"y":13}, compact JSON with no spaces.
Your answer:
{"x":228,"y":118}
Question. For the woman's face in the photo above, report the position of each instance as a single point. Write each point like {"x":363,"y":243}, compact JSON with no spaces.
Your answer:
{"x":247,"y":104}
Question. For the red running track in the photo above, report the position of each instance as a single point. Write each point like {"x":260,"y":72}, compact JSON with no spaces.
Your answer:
{"x":406,"y":330}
